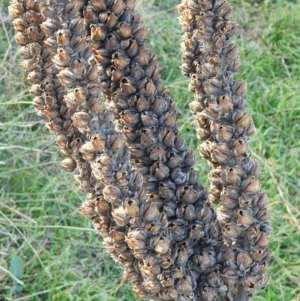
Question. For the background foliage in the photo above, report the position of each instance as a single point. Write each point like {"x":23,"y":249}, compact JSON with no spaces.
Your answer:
{"x":52,"y":249}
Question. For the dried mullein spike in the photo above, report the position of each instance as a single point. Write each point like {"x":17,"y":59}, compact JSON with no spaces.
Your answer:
{"x":148,"y":120}
{"x":210,"y":60}
{"x":49,"y":93}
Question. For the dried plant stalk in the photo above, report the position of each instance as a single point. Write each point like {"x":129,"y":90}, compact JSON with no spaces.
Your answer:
{"x":148,"y":120}
{"x":210,"y":59}
{"x":49,"y":93}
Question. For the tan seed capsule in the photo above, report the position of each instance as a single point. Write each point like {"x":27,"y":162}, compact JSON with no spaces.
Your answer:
{"x":115,"y":142}
{"x":78,"y":66}
{"x":244,"y":217}
{"x":96,"y":105}
{"x":32,"y":17}
{"x":21,"y":39}
{"x":19,"y":24}
{"x":262,"y":240}
{"x":66,"y":77}
{"x":239,"y":87}
{"x":120,"y":60}
{"x":68,"y":164}
{"x":120,"y":216}
{"x":87,"y":208}
{"x":231,"y":230}
{"x":239,"y":146}
{"x":225,"y":102}
{"x":152,"y":285}
{"x":150,"y":211}
{"x":139,"y":290}
{"x":111,"y":193}
{"x":243,"y":258}
{"x":131,"y":206}
{"x":62,"y":37}
{"x":98,"y":141}
{"x":87,"y":151}
{"x":185,"y":285}
{"x":250,"y":283}
{"x":99,"y":5}
{"x":242,"y":119}
{"x":15,"y":10}
{"x":160,"y":245}
{"x":251,"y":185}
{"x":130,"y":274}
{"x":81,"y":120}
{"x":136,"y":239}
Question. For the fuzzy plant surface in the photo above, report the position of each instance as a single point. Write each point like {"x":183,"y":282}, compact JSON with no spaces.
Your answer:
{"x":98,"y":88}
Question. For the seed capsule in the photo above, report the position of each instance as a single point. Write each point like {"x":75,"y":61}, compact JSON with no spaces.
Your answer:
{"x":239,"y":87}
{"x":250,"y":283}
{"x":131,"y":206}
{"x":160,"y":245}
{"x":225,"y":102}
{"x":185,"y":285}
{"x":239,"y":146}
{"x":139,"y":290}
{"x":213,"y":86}
{"x":251,"y":185}
{"x":87,"y":151}
{"x":119,"y":216}
{"x":244,"y":259}
{"x":68,"y":164}
{"x":101,"y":223}
{"x":242,"y":119}
{"x":81,"y":120}
{"x":231,"y":230}
{"x":136,"y":239}
{"x":87,"y":208}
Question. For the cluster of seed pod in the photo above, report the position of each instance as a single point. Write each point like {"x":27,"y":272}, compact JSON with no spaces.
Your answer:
{"x":148,"y":120}
{"x":210,"y":60}
{"x":48,"y":91}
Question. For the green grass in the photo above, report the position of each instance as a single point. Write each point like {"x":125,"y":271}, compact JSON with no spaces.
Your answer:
{"x":39,"y":220}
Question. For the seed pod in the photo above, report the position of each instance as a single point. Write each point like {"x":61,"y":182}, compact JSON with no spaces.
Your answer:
{"x":15,"y":10}
{"x":250,"y":283}
{"x":131,"y":206}
{"x":81,"y":120}
{"x":160,"y":245}
{"x":251,"y":185}
{"x":120,"y":216}
{"x":220,"y":153}
{"x":139,"y":290}
{"x":224,"y":132}
{"x":68,"y":164}
{"x":87,"y":208}
{"x":101,"y":223}
{"x":149,"y":211}
{"x":152,"y":285}
{"x":239,"y":146}
{"x":262,"y":240}
{"x":87,"y":151}
{"x":136,"y":239}
{"x":185,"y":285}
{"x":117,"y":233}
{"x":231,"y":231}
{"x":101,"y":205}
{"x":130,"y":274}
{"x":112,"y":193}
{"x":239,"y":87}
{"x":243,"y":259}
{"x":242,"y":119}
{"x":186,"y":211}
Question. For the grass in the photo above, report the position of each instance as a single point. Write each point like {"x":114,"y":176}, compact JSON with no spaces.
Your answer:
{"x":39,"y":221}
